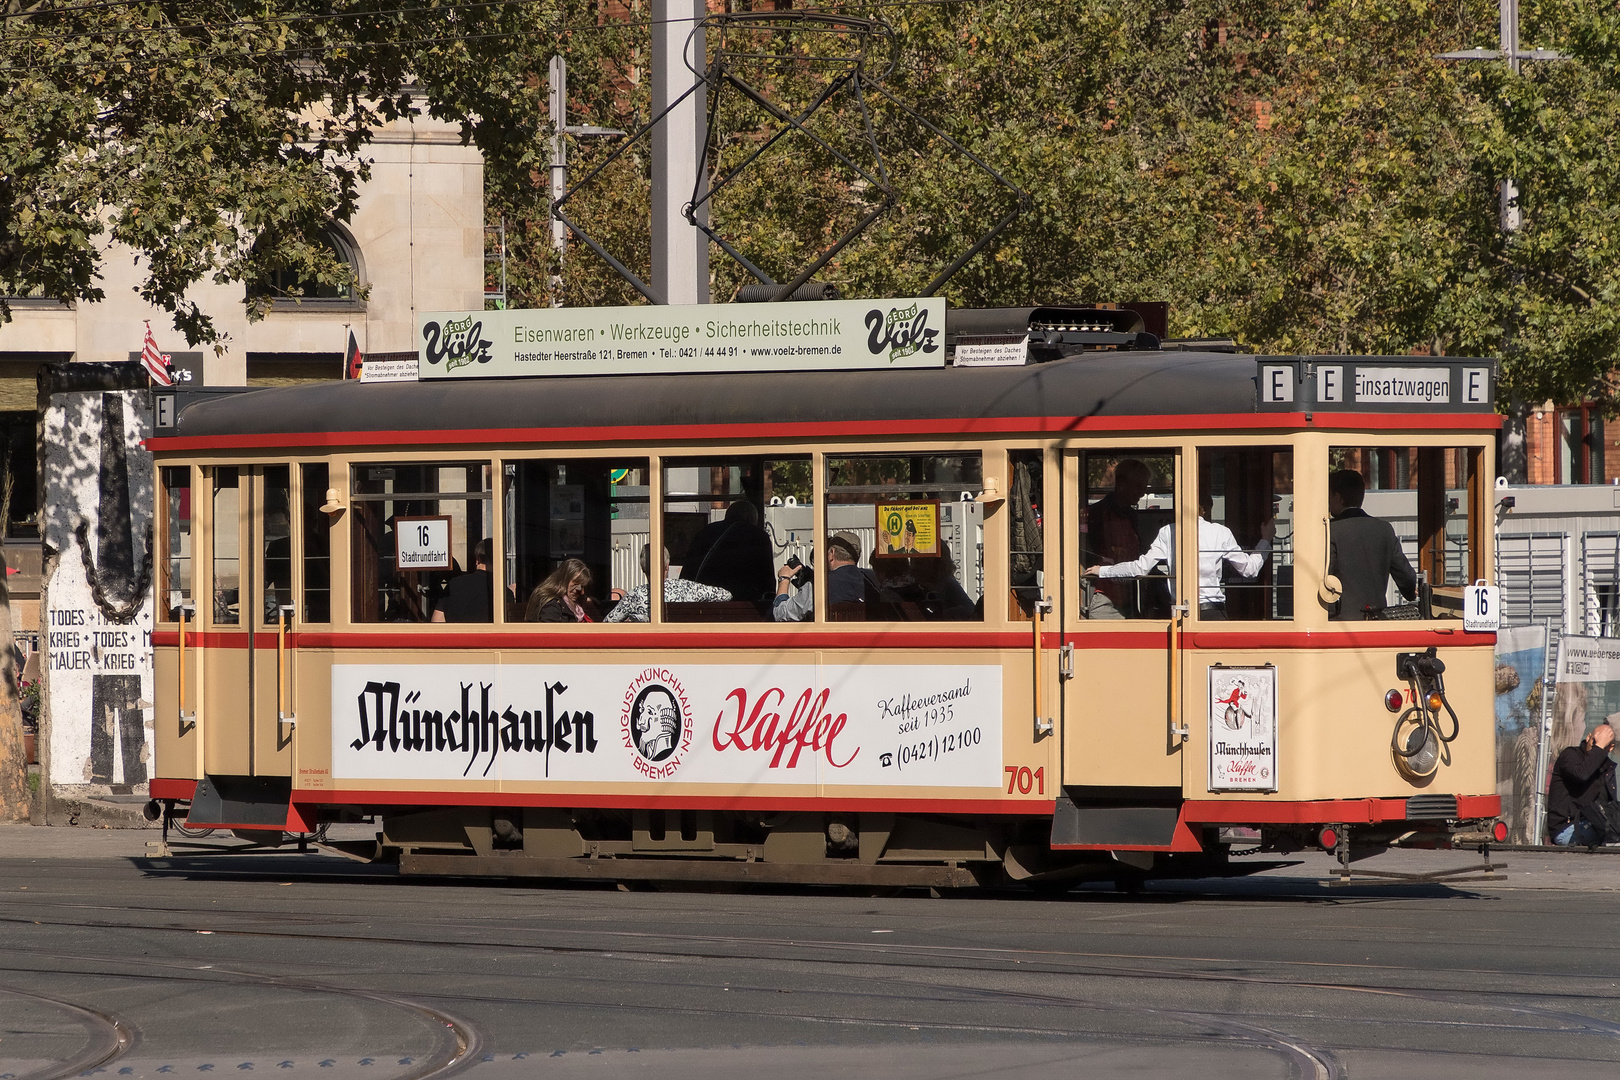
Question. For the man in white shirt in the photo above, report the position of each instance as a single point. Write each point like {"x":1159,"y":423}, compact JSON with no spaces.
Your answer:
{"x":1216,"y":545}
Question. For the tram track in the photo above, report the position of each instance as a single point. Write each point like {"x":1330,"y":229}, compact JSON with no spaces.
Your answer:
{"x":904,"y":976}
{"x":114,"y":1037}
{"x":110,"y":1037}
{"x":1305,"y":1060}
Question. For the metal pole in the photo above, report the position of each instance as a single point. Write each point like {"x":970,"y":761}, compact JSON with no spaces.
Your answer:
{"x":680,"y":251}
{"x":559,"y":168}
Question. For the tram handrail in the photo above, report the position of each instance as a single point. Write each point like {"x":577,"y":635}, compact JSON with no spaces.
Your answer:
{"x":282,"y":611}
{"x":1043,"y":723}
{"x":184,"y":717}
{"x":1178,"y":616}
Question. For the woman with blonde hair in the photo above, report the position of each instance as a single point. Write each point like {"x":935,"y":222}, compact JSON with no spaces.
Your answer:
{"x":557,"y":599}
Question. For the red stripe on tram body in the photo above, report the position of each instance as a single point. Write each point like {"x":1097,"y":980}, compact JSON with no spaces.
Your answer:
{"x":656,"y":433}
{"x":680,"y":636}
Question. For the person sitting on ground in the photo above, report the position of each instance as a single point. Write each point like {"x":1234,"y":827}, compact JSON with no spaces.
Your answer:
{"x":846,"y":584}
{"x":636,"y":606}
{"x":560,"y":598}
{"x":1583,"y":781}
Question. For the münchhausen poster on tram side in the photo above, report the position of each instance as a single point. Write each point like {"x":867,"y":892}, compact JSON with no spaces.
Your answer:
{"x":829,"y":725}
{"x":1243,"y":728}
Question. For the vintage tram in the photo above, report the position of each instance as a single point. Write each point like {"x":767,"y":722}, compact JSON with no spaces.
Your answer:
{"x":978,"y":710}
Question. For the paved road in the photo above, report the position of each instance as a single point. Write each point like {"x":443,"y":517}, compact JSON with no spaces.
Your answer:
{"x":312,"y":966}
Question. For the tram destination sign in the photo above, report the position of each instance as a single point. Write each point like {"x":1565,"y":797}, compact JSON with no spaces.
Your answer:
{"x":828,"y":335}
{"x":1375,"y":384}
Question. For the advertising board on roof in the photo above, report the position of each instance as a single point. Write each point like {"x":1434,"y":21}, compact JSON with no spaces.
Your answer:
{"x":827,"y":335}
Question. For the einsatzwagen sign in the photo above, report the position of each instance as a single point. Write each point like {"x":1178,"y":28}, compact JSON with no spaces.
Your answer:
{"x":823,"y":336}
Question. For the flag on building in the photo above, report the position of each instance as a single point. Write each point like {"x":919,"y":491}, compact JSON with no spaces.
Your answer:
{"x":352,"y":360}
{"x":155,"y":362}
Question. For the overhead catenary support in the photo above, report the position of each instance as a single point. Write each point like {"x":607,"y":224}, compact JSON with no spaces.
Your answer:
{"x":680,"y":251}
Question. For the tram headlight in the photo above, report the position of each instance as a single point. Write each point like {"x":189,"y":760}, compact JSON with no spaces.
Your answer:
{"x":1417,"y":748}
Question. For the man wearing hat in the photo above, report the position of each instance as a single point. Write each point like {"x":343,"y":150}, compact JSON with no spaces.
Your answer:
{"x":845,"y":582}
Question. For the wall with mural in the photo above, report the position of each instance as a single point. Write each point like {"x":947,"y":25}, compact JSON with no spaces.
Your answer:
{"x":96,"y":608}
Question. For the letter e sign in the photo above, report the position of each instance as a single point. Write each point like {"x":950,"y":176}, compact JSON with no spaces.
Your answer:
{"x":1276,"y":384}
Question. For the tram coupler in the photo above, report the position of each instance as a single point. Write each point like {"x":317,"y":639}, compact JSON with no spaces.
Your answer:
{"x":1487,"y":872}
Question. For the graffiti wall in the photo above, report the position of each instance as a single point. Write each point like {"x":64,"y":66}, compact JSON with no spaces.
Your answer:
{"x":96,"y":618}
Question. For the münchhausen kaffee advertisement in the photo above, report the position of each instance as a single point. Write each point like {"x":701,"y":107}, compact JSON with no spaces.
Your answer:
{"x":911,"y":726}
{"x":1243,"y":729}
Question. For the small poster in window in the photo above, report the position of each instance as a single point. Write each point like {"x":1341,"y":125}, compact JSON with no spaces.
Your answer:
{"x":1242,"y":728}
{"x":567,"y":538}
{"x":422,"y":543}
{"x":908,"y":529}
{"x":568,"y":501}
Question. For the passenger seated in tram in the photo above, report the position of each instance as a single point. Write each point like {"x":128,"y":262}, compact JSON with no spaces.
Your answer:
{"x":635,"y":606}
{"x":469,"y":597}
{"x":561,"y":597}
{"x":1115,"y":537}
{"x":1216,"y":546}
{"x":846,"y":583}
{"x":1364,"y":552}
{"x":734,"y":554}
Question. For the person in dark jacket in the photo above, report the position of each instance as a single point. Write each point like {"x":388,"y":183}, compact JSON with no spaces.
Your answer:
{"x":1582,"y":777}
{"x":1365,"y":553}
{"x":469,"y":596}
{"x":734,"y":554}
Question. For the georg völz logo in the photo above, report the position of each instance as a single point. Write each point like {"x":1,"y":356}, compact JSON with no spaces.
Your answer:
{"x":457,"y":343}
{"x":902,"y":332}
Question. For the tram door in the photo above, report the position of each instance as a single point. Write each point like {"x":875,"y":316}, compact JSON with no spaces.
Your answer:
{"x":1122,"y":707}
{"x":248,"y":586}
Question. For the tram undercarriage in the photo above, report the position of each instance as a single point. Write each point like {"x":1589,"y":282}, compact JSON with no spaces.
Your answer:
{"x":880,"y":850}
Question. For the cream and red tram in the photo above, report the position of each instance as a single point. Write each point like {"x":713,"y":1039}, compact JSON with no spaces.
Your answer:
{"x":983,"y":712}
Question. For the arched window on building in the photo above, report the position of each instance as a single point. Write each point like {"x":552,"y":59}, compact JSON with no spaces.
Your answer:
{"x":288,"y":284}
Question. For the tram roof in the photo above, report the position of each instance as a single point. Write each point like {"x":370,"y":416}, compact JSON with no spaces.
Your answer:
{"x":1088,"y":384}
{"x":1085,"y":385}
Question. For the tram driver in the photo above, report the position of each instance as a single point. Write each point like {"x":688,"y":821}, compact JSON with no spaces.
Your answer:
{"x":1217,"y":547}
{"x":1365,"y":554}
{"x":846,"y":583}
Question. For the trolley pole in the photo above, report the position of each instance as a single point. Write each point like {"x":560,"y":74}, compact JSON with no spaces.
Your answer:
{"x":1510,"y":216}
{"x":680,"y":252}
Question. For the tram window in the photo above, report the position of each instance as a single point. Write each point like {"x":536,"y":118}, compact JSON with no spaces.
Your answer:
{"x":383,"y":493}
{"x":277,"y":540}
{"x":317,"y":547}
{"x":731,"y":523}
{"x":1246,"y":562}
{"x":921,"y":533}
{"x":593,"y":511}
{"x":1025,"y":502}
{"x":227,"y":546}
{"x":1431,"y":497}
{"x":1126,"y":498}
{"x":176,"y":586}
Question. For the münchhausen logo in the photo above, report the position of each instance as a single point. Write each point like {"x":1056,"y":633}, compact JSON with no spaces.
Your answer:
{"x":655,"y":723}
{"x":479,"y":730}
{"x":458,"y":343}
{"x":903,"y":332}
